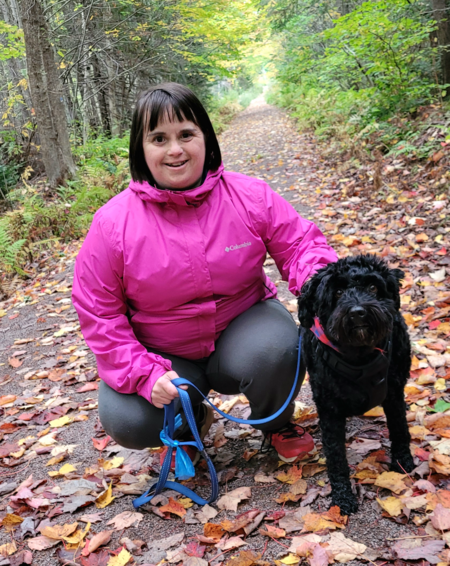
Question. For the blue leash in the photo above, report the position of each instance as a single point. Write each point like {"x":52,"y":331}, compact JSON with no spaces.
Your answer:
{"x":184,"y":469}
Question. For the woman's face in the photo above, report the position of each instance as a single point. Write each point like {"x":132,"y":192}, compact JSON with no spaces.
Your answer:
{"x":175,"y":154}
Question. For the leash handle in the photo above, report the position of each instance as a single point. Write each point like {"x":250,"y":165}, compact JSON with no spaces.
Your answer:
{"x":169,"y":429}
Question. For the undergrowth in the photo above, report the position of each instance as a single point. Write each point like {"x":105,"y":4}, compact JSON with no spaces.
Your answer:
{"x":352,"y":121}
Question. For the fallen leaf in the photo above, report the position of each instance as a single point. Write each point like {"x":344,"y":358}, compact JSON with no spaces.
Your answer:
{"x":96,"y":541}
{"x":59,"y":531}
{"x":416,"y":549}
{"x":8,"y":548}
{"x":104,"y":498}
{"x":231,"y":500}
{"x":273,"y":532}
{"x":121,"y":559}
{"x":440,"y":518}
{"x":101,"y":443}
{"x":344,"y":549}
{"x":392,"y":481}
{"x":391,"y":505}
{"x":291,"y":475}
{"x":42,"y":542}
{"x":125,"y":519}
{"x":173,"y":507}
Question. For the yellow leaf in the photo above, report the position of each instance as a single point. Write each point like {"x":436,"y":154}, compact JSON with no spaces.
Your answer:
{"x":64,"y":470}
{"x":392,"y":481}
{"x":60,"y":422}
{"x":375,"y":412}
{"x":59,"y":531}
{"x":390,"y":199}
{"x":440,"y":384}
{"x":78,"y":535}
{"x":121,"y":559}
{"x":10,"y":521}
{"x":8,"y":548}
{"x":104,"y":498}
{"x":114,"y":463}
{"x":186,"y":502}
{"x":2,"y":313}
{"x":290,"y":559}
{"x":392,"y":505}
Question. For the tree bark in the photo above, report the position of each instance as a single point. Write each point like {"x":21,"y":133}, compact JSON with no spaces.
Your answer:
{"x":441,"y":13}
{"x":46,"y":94}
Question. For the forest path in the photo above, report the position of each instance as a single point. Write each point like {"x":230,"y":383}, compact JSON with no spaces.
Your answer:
{"x":48,"y":370}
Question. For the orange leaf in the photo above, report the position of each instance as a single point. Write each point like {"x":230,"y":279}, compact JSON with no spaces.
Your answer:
{"x":273,"y":532}
{"x":214,"y":531}
{"x":291,"y":475}
{"x":173,"y":507}
{"x":15,"y":362}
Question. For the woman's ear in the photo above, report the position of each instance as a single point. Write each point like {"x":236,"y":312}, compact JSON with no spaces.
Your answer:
{"x":395,"y":276}
{"x":307,"y":301}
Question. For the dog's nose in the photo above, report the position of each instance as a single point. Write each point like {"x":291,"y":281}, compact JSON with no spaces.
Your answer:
{"x":357,"y":314}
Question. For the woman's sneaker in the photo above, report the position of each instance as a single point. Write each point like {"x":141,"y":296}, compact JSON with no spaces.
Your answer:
{"x":204,"y":422}
{"x":291,"y":442}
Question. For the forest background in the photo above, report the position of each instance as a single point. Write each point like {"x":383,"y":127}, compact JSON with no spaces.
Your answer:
{"x":372,"y":79}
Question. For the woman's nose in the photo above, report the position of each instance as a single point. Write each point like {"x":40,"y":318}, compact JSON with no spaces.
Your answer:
{"x":175,"y":148}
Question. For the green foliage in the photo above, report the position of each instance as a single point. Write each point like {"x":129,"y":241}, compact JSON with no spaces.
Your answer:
{"x":10,"y":250}
{"x":9,"y":175}
{"x":346,"y":75}
{"x":223,"y":108}
{"x":11,"y":41}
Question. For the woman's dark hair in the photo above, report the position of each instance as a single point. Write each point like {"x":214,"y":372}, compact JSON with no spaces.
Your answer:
{"x":173,"y":101}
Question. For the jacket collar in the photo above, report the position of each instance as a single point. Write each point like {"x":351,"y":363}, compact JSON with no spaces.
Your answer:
{"x":180,"y":198}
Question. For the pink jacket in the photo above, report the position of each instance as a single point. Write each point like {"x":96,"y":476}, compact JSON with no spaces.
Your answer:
{"x":171,"y":269}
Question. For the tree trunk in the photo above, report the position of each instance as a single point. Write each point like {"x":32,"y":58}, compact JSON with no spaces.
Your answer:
{"x":46,"y":94}
{"x":441,"y":13}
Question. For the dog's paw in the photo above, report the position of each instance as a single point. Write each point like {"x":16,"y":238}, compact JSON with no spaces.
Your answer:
{"x":402,"y":463}
{"x":347,"y":503}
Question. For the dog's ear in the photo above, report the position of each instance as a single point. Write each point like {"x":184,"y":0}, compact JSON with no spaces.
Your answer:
{"x":306,"y":301}
{"x":395,"y":276}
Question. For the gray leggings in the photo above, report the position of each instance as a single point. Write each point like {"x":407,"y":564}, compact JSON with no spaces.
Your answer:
{"x":255,"y":355}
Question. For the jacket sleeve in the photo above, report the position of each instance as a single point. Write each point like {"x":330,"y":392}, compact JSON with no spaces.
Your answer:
{"x":297,"y":245}
{"x":99,"y":299}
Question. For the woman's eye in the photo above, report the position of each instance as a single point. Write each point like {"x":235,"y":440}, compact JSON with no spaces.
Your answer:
{"x":186,"y":135}
{"x":372,"y":289}
{"x":339,"y":293}
{"x":158,"y":139}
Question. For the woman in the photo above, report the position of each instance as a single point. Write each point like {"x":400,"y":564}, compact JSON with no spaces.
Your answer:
{"x":170,"y":281}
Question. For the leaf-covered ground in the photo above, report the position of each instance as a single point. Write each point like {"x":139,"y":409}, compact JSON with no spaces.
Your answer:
{"x":66,"y":488}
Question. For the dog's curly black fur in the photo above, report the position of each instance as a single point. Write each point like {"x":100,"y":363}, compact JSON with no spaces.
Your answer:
{"x":357,"y":302}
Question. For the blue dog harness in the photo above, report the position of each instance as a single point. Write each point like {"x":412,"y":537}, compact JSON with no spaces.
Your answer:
{"x":184,"y":469}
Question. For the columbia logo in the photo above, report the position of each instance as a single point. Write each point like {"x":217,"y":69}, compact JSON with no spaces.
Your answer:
{"x":237,"y":246}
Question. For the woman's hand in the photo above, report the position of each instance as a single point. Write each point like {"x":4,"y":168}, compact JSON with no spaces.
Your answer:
{"x":164,"y":391}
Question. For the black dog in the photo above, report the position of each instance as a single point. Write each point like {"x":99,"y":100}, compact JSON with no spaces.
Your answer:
{"x":357,"y":352}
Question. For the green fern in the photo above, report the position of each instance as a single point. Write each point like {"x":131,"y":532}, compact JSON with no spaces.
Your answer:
{"x":10,"y":251}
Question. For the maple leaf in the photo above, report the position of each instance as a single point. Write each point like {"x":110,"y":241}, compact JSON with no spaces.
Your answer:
{"x":195,"y":549}
{"x":392,"y":481}
{"x":173,"y":507}
{"x":344,"y":549}
{"x":292,"y":475}
{"x":232,"y":499}
{"x":96,"y":541}
{"x":125,"y":519}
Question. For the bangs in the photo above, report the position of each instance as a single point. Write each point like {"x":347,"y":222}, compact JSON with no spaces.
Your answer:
{"x":161,"y":107}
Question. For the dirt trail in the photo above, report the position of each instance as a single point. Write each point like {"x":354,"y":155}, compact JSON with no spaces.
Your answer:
{"x":262,"y":142}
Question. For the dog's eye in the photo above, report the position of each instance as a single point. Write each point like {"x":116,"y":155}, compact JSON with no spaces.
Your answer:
{"x":372,"y":289}
{"x":339,"y":293}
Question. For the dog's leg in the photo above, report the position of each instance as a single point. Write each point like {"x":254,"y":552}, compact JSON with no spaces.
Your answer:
{"x":333,"y":439}
{"x":395,"y":410}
